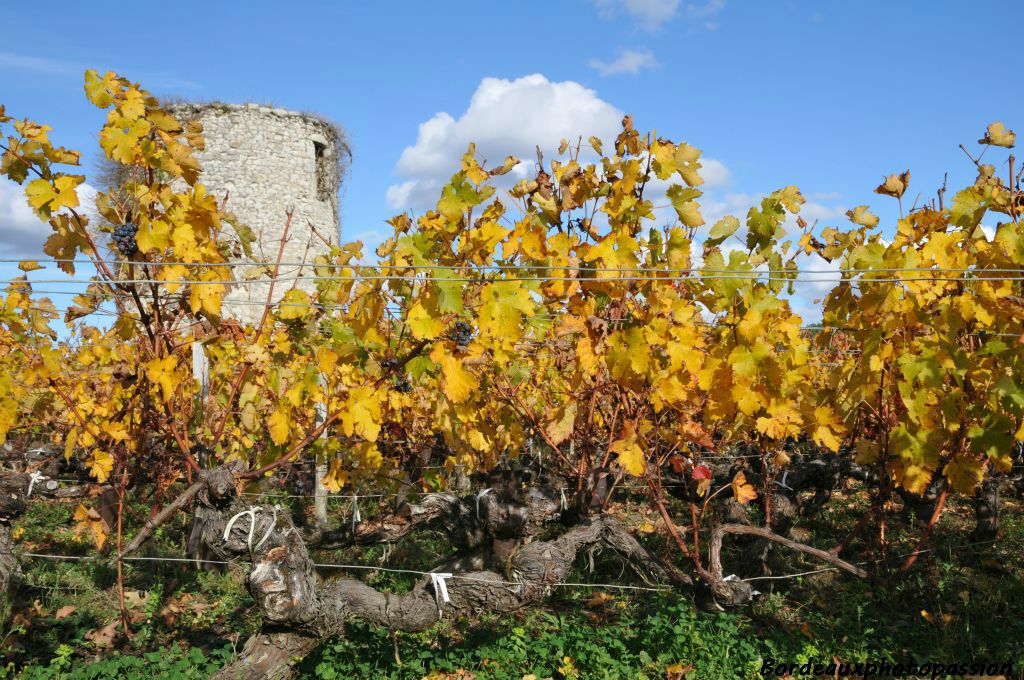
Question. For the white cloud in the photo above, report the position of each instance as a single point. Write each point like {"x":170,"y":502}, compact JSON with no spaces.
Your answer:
{"x":504,"y":117}
{"x":58,"y":67}
{"x":649,"y":14}
{"x":735,"y":204}
{"x":825,"y":196}
{"x":24,"y":62}
{"x":653,"y":14}
{"x":813,"y":211}
{"x":705,"y":10}
{"x":629,"y":61}
{"x":21,"y":233}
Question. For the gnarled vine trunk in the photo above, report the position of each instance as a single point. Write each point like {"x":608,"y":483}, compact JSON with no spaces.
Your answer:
{"x":299,"y":610}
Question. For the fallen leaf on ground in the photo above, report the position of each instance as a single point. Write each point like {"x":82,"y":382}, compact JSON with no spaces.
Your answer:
{"x":105,"y":636}
{"x":65,"y":612}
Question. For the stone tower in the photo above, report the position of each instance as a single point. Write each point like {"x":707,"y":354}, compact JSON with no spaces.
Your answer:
{"x":269,"y":161}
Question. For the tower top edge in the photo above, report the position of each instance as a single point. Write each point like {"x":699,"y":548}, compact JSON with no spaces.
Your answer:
{"x":196,"y":109}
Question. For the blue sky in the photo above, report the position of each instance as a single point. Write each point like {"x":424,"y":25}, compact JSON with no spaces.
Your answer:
{"x":827,"y":95}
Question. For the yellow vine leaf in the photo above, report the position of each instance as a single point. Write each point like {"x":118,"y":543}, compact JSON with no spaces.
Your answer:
{"x":423,"y":324}
{"x":362,"y":413}
{"x":862,"y":216}
{"x":456,"y":382}
{"x":70,"y":442}
{"x":914,"y":478}
{"x":99,"y":89}
{"x":100,"y":464}
{"x":503,"y":305}
{"x":336,"y":477}
{"x":367,"y":456}
{"x":826,"y":428}
{"x":631,"y":456}
{"x":784,"y":421}
{"x":46,"y":198}
{"x":964,"y":474}
{"x":156,"y":235}
{"x":88,"y":520}
{"x":998,"y":135}
{"x":294,"y":305}
{"x":560,"y":427}
{"x":742,"y":490}
{"x":278,"y":425}
{"x":120,"y":138}
{"x":162,"y":372}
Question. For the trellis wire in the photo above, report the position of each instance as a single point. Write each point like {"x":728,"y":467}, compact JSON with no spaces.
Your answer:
{"x":416,"y":572}
{"x":507,"y":267}
{"x":351,"y":567}
{"x":830,"y":277}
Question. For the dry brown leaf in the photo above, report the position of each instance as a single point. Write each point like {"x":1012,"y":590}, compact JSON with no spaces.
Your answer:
{"x":105,"y":636}
{"x":894,"y":185}
{"x":65,"y":612}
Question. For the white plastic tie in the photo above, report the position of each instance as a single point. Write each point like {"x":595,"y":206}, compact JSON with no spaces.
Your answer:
{"x":565,"y":502}
{"x":37,"y":476}
{"x":437,"y":580}
{"x":731,"y":577}
{"x":270,"y":529}
{"x":480,"y":495}
{"x":356,"y":516}
{"x":785,"y":473}
{"x":251,"y":512}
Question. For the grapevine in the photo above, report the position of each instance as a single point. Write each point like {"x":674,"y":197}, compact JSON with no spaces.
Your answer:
{"x":620,"y":355}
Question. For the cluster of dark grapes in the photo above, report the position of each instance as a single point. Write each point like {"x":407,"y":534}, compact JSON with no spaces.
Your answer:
{"x":401,"y":382}
{"x":461,"y":333}
{"x":124,"y":239}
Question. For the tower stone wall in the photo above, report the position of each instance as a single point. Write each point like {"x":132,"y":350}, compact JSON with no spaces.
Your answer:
{"x":268,"y":161}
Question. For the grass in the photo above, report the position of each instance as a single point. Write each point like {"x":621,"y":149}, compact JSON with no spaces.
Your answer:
{"x":960,"y":604}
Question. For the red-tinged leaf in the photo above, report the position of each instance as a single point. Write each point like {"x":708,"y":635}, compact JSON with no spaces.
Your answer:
{"x":701,"y":472}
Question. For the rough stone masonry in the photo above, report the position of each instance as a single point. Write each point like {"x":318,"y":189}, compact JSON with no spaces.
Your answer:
{"x":269,"y":161}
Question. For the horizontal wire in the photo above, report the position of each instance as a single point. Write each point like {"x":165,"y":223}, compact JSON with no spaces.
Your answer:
{"x":416,"y":572}
{"x":794,"y":277}
{"x":326,"y":331}
{"x":352,"y":567}
{"x":503,"y":267}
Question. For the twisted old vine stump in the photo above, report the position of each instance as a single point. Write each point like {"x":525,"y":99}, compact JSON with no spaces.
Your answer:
{"x":499,"y":568}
